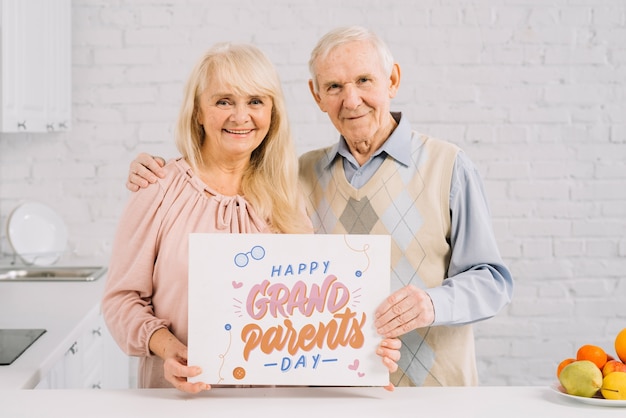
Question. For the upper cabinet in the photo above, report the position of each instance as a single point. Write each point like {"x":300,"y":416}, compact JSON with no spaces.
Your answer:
{"x":36,"y":65}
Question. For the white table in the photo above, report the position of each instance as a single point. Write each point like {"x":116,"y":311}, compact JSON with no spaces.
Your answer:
{"x":465,"y":402}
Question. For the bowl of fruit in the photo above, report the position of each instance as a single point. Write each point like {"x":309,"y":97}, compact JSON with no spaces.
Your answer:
{"x":594,"y":376}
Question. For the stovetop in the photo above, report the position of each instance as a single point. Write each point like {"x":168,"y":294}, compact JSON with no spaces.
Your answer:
{"x":13,"y":343}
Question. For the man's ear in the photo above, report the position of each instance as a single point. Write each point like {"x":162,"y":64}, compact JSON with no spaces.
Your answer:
{"x":316,"y":96}
{"x":394,"y":80}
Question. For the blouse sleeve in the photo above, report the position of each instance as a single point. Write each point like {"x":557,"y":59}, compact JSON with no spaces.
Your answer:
{"x":127,"y":301}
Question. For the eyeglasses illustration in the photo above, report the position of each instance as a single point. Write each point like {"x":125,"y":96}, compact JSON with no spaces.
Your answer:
{"x":257,"y":252}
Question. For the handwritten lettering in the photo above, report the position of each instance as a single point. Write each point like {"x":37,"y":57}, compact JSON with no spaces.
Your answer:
{"x":300,"y":268}
{"x":279,"y":299}
{"x":343,"y":330}
{"x":286,"y":362}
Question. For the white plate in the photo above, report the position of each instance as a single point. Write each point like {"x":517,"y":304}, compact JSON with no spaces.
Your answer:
{"x":599,"y":401}
{"x":37,"y":234}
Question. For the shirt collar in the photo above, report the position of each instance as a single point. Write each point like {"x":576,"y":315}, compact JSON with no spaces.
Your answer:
{"x":397,"y":146}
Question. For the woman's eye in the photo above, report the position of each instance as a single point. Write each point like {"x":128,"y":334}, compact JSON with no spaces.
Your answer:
{"x":222,"y":103}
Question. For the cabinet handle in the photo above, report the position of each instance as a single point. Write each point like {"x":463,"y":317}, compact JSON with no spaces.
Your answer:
{"x":74,"y":348}
{"x":21,"y":125}
{"x":62,"y":125}
{"x":50,"y":127}
{"x":97,"y":331}
{"x":96,"y":386}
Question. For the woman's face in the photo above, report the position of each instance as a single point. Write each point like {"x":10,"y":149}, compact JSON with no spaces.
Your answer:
{"x":234,"y":125}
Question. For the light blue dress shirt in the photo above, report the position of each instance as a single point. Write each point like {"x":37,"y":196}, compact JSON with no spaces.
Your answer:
{"x":479,"y":284}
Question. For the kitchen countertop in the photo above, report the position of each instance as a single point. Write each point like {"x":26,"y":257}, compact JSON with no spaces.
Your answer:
{"x":59,"y":307}
{"x":62,"y":307}
{"x":484,"y":402}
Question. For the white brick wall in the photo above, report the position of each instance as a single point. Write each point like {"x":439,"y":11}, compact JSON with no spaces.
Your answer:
{"x":533,"y":90}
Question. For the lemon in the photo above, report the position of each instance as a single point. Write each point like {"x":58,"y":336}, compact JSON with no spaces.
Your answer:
{"x":614,"y":386}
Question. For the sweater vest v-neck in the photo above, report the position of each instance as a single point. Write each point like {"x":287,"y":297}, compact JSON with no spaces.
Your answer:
{"x":412,"y":205}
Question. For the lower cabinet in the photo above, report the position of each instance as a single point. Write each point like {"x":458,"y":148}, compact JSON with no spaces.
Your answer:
{"x":93,"y":361}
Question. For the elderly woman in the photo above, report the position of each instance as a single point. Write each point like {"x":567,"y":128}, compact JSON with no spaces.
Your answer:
{"x":237,"y":174}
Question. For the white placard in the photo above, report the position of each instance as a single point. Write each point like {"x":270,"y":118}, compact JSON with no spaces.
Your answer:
{"x":287,"y":309}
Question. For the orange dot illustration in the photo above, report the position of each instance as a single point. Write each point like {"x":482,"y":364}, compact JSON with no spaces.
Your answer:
{"x":239,"y":373}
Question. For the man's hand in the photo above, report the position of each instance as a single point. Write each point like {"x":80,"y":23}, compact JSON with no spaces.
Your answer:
{"x":144,"y":171}
{"x":405,"y":310}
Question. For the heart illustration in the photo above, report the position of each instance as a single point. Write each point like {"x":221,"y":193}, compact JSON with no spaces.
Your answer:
{"x":237,"y":285}
{"x":354,"y":365}
{"x":361,"y":374}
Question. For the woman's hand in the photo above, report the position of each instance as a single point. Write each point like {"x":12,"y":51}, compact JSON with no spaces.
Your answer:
{"x":389,"y":351}
{"x":174,"y":354}
{"x":144,"y":171}
{"x":176,"y":372}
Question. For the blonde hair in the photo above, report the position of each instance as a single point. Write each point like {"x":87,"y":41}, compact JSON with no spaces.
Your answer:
{"x":346,"y":34}
{"x":270,"y":183}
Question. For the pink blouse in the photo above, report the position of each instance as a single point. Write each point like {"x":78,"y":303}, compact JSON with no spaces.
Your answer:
{"x":146,"y":286}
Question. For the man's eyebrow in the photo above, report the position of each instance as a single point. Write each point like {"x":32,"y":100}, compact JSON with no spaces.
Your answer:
{"x":330,"y":83}
{"x":365,"y":75}
{"x":358,"y":77}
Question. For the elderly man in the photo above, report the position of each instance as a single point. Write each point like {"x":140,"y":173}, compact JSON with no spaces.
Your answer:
{"x":384,"y":178}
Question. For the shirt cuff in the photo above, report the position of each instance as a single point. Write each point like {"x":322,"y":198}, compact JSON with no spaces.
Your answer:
{"x":442,"y":304}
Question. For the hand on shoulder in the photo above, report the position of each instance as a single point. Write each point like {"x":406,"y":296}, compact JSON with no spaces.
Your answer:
{"x":144,"y":170}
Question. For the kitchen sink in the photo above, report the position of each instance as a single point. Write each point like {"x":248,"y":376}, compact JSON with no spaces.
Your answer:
{"x":51,"y":274}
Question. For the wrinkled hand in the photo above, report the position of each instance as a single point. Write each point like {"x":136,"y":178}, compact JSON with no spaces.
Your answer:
{"x":174,"y":354}
{"x":176,"y":372}
{"x":144,"y":171}
{"x":405,"y":310}
{"x":389,"y":351}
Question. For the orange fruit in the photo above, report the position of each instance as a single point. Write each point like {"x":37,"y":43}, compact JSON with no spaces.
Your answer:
{"x":593,"y":353}
{"x":620,"y":345}
{"x":563,"y":364}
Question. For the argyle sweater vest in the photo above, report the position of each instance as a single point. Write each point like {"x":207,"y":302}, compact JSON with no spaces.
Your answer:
{"x":411,"y":204}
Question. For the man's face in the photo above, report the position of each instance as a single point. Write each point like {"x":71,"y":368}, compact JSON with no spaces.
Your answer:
{"x":356,"y":94}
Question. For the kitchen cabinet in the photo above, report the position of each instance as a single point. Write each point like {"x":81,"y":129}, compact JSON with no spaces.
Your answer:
{"x":92,"y":361}
{"x":82,"y":365}
{"x":76,"y":351}
{"x":35,"y":85}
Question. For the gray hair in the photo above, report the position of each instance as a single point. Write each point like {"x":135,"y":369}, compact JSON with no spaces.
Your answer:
{"x":343,"y":35}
